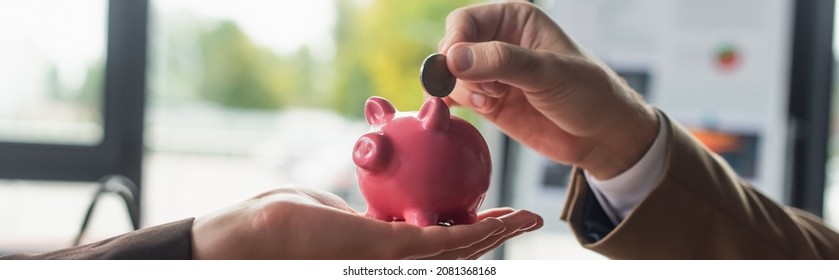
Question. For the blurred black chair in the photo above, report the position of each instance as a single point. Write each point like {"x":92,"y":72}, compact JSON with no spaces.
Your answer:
{"x":117,"y":185}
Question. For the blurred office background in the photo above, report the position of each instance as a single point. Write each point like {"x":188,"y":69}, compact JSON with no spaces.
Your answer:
{"x":217,"y":101}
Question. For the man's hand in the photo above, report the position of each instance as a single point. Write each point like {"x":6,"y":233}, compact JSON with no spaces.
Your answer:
{"x":519,"y":70}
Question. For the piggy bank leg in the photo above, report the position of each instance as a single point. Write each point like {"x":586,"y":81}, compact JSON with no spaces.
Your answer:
{"x":464,"y":218}
{"x":421,"y":218}
{"x":375,"y":214}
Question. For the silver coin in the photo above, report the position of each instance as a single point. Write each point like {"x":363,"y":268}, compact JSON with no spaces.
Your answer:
{"x":435,"y":76}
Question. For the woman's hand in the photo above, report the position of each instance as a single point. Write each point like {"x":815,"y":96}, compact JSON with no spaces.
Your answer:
{"x":303,"y":223}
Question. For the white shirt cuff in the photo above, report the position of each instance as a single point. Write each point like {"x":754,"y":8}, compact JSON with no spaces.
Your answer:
{"x":619,"y":195}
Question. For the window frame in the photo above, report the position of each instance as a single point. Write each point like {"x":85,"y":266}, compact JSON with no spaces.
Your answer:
{"x":121,"y":149}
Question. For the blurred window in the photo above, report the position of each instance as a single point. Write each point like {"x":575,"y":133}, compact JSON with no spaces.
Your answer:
{"x":51,"y":73}
{"x":53,"y":144}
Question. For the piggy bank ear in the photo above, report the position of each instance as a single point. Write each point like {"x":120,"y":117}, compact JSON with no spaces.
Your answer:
{"x":378,"y":111}
{"x":434,"y":114}
{"x":372,"y":152}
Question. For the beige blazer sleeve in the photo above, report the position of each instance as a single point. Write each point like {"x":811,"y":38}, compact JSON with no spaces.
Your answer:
{"x":702,"y":210}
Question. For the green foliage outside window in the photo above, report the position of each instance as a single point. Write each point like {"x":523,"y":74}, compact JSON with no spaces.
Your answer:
{"x":379,"y":48}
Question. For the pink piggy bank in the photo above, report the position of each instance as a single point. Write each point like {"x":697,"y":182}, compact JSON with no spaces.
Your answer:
{"x":424,"y":168}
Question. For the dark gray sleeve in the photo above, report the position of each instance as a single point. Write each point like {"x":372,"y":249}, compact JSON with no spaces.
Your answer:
{"x":172,"y":241}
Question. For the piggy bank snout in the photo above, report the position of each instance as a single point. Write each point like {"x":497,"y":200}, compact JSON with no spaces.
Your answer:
{"x":371,"y":152}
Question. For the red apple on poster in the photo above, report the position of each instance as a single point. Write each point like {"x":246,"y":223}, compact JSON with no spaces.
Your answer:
{"x":727,"y":58}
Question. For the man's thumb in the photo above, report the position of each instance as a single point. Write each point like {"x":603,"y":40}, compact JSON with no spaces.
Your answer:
{"x":499,"y":61}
